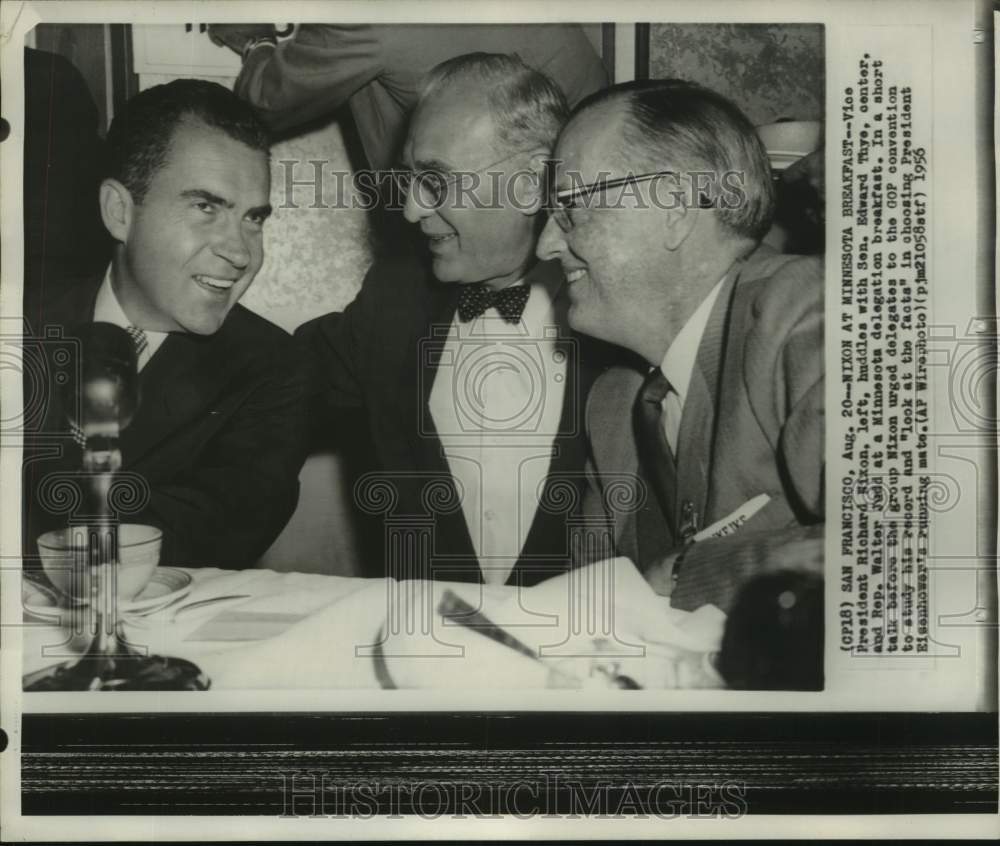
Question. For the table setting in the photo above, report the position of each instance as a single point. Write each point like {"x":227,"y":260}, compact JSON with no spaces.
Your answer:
{"x":599,"y":626}
{"x":102,"y":615}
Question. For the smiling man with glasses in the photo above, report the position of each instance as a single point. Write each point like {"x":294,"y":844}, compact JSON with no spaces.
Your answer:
{"x":660,"y":194}
{"x":468,"y":376}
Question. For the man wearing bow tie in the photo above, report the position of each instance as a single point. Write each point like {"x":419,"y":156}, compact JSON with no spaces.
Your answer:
{"x":471,"y":384}
{"x":661,"y":196}
{"x":215,"y":445}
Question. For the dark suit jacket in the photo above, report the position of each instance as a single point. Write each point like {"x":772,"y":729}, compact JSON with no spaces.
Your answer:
{"x":63,"y":234}
{"x":380,"y":356}
{"x":752,"y":423}
{"x":218,"y":439}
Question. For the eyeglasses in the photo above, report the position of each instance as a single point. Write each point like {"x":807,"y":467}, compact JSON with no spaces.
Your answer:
{"x":560,"y":202}
{"x":430,"y":187}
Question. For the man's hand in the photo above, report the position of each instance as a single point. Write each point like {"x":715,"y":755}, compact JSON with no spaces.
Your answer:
{"x":803,"y":554}
{"x":236,"y":36}
{"x":660,"y":574}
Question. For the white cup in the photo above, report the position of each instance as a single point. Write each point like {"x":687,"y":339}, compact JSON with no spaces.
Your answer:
{"x":138,"y":555}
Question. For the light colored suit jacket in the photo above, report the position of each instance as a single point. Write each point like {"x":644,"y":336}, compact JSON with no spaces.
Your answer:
{"x":752,"y":424}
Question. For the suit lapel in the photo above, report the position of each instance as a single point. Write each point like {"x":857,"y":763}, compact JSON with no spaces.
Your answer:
{"x":614,"y":442}
{"x":570,"y":441}
{"x":178,"y":384}
{"x":568,"y":452}
{"x":429,"y":337}
{"x":417,"y":371}
{"x":75,"y":308}
{"x":699,"y":419}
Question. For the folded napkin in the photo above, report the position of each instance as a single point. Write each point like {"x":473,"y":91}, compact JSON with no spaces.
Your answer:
{"x":263,"y":604}
{"x":584,"y":627}
{"x":326,"y":649}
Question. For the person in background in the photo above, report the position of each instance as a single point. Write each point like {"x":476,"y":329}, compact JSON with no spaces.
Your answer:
{"x":218,"y":435}
{"x":63,"y":236}
{"x":376,"y":69}
{"x":471,"y":384}
{"x":796,"y":151}
{"x":801,"y":205}
{"x":662,"y":193}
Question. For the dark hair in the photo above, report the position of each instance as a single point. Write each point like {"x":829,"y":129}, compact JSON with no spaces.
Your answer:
{"x":528,"y":108}
{"x":676,"y":124}
{"x":140,"y":134}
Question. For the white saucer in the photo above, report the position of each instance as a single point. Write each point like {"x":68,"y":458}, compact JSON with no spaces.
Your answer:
{"x":167,"y":585}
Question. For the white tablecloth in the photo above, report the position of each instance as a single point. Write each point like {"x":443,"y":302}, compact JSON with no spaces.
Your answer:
{"x":275,"y":602}
{"x":298,"y":630}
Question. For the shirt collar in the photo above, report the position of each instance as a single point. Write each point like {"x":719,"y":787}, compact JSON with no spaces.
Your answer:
{"x":678,"y":363}
{"x":107,"y":309}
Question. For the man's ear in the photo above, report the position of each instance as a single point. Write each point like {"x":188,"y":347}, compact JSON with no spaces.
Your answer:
{"x":116,"y":209}
{"x":679,"y":221}
{"x":528,"y":185}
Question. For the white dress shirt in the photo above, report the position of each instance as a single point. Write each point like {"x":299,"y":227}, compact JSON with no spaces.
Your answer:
{"x":678,"y":365}
{"x":496,"y":403}
{"x":107,"y":309}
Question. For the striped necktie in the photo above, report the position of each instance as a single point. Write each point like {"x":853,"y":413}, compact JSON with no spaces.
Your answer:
{"x":655,"y":454}
{"x":140,"y":342}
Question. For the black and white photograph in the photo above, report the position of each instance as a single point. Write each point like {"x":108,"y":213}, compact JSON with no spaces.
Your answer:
{"x":484,"y":422}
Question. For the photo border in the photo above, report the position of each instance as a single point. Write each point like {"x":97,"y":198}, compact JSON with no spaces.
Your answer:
{"x":920,"y":763}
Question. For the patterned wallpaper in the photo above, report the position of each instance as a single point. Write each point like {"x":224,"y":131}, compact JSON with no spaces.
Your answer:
{"x":771,"y":71}
{"x":315,"y":258}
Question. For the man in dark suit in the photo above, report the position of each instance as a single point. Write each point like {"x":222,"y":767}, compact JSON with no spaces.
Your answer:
{"x":661,"y":197}
{"x":471,"y":384}
{"x":216,"y":443}
{"x":63,"y":235}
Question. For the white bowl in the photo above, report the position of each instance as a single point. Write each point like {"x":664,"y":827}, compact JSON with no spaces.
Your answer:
{"x":788,"y":141}
{"x":138,"y":555}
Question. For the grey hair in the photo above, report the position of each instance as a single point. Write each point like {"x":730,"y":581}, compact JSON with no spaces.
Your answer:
{"x":694,"y":129}
{"x":528,"y":108}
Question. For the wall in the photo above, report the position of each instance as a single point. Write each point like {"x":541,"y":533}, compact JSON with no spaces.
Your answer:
{"x":315,"y":257}
{"x":771,"y":71}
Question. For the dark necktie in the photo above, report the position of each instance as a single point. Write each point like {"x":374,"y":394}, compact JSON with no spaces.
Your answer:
{"x":474,"y":299}
{"x":656,"y":457}
{"x":140,"y":342}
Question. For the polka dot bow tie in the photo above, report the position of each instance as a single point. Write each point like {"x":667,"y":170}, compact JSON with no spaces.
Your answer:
{"x":476,"y":298}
